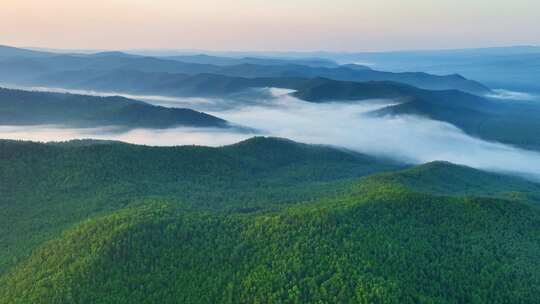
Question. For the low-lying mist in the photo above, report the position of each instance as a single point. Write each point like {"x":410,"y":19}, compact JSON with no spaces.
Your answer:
{"x":411,"y":139}
{"x":512,"y":95}
{"x":151,"y":137}
{"x":197,"y":103}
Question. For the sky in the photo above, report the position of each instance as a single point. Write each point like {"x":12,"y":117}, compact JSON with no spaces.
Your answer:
{"x":262,"y":25}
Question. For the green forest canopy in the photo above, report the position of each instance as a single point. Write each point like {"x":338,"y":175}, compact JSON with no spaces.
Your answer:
{"x":263,"y":221}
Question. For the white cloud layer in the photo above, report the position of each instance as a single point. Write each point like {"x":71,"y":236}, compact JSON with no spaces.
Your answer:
{"x":411,"y":139}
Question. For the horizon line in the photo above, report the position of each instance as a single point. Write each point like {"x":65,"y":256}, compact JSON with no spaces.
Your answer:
{"x":202,"y":50}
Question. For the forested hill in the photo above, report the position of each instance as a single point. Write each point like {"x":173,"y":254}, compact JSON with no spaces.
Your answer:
{"x":163,"y":84}
{"x":444,"y":178}
{"x":37,"y":108}
{"x":325,"y":90}
{"x":509,"y":122}
{"x":376,"y":243}
{"x":266,"y":220}
{"x":47,"y":187}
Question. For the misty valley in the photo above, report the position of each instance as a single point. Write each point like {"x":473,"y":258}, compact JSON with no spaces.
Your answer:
{"x":400,"y":177}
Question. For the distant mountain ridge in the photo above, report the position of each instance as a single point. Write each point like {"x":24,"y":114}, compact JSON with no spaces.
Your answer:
{"x":37,"y":108}
{"x":512,"y":123}
{"x":228,"y":61}
{"x":185,"y":85}
{"x":25,"y":69}
{"x":9,"y":51}
{"x":511,"y":68}
{"x":164,"y":84}
{"x":324,"y":90}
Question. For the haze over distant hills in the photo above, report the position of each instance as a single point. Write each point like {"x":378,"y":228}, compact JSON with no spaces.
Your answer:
{"x":314,"y":80}
{"x":512,"y":123}
{"x":25,"y":69}
{"x":228,"y":61}
{"x":512,"y":68}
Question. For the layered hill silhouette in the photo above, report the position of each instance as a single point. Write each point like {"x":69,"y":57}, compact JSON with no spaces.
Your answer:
{"x":38,"y":108}
{"x":164,"y":84}
{"x":19,"y":69}
{"x":511,"y":123}
{"x":230,"y":61}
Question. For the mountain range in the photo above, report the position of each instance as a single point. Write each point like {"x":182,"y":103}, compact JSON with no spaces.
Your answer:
{"x":264,"y":220}
{"x":502,"y":121}
{"x":513,"y":68}
{"x":26,"y":68}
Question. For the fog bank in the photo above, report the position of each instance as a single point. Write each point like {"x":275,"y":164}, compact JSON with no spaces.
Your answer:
{"x":410,"y":139}
{"x":151,"y":137}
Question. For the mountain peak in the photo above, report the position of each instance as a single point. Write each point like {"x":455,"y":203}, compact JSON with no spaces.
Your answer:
{"x":112,"y":54}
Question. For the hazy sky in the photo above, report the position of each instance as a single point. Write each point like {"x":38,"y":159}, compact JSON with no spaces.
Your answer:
{"x":349,"y":25}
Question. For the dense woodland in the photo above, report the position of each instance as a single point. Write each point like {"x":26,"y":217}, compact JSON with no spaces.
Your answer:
{"x":47,"y":187}
{"x":263,"y":221}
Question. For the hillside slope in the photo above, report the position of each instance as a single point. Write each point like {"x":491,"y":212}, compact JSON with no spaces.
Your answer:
{"x":379,"y":243}
{"x":48,"y":187}
{"x":264,"y":220}
{"x":37,"y":108}
{"x":513,"y":123}
{"x":9,"y":52}
{"x":444,"y":178}
{"x":162,"y":84}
